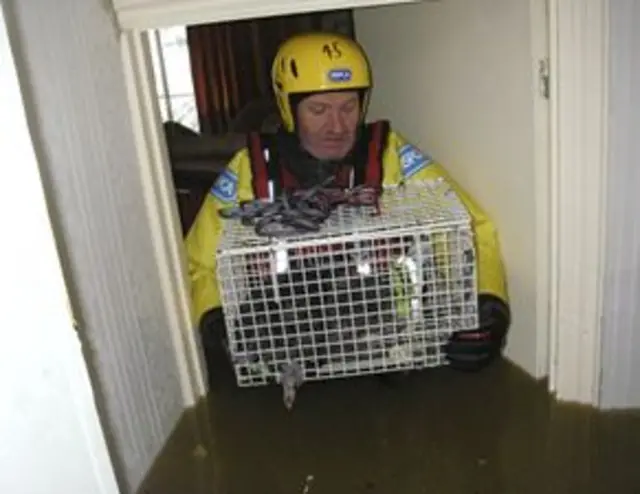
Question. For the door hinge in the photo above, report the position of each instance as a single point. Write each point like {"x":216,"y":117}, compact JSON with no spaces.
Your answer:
{"x":543,"y":76}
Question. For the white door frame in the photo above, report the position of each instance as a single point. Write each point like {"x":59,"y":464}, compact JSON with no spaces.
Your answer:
{"x":579,"y":53}
{"x":539,"y":12}
{"x":570,"y":194}
{"x":162,"y":211}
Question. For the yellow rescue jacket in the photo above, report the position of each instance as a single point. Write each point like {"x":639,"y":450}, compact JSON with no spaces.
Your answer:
{"x":400,"y":162}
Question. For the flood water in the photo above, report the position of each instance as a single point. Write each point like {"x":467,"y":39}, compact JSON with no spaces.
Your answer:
{"x":436,"y":432}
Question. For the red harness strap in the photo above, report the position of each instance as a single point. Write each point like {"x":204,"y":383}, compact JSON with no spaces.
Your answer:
{"x":373,"y":172}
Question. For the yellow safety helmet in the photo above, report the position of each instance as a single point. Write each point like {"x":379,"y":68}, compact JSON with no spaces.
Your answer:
{"x":317,"y":62}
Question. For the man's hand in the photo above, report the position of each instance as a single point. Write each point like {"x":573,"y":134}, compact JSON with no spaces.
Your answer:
{"x":474,"y":349}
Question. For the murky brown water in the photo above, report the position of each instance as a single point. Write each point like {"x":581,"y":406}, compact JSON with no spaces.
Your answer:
{"x":438,"y":432}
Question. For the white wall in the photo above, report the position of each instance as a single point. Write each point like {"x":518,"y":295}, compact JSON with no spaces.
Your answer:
{"x":456,"y":78}
{"x":73,"y":74}
{"x":51,"y":435}
{"x":620,"y":386}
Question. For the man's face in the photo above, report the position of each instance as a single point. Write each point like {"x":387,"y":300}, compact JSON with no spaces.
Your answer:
{"x":327,"y":123}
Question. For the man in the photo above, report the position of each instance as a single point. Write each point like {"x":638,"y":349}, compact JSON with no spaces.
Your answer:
{"x":322,"y":84}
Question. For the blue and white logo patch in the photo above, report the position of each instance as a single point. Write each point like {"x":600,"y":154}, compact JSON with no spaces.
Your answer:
{"x":226,"y":187}
{"x":413,"y":160}
{"x":340,"y":75}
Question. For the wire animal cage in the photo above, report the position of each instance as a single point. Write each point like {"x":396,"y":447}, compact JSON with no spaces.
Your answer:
{"x":372,"y":292}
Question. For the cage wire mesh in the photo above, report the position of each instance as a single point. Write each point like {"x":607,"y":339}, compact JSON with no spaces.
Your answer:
{"x":369,"y":293}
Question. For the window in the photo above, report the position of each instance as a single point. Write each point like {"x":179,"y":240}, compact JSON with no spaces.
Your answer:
{"x":174,"y":82}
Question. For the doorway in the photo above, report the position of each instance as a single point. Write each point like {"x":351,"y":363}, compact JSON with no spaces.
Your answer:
{"x":550,"y":239}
